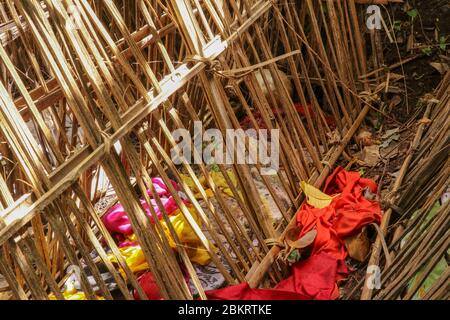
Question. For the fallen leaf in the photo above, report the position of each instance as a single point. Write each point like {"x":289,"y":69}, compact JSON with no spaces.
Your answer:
{"x":388,"y":149}
{"x":370,"y":155}
{"x":388,"y":141}
{"x":358,"y":246}
{"x":395,"y":174}
{"x":389,"y":138}
{"x":315,"y":197}
{"x":390,"y":152}
{"x":389,"y":133}
{"x":410,"y":42}
{"x":442,"y":68}
{"x":369,"y":195}
{"x":303,"y":242}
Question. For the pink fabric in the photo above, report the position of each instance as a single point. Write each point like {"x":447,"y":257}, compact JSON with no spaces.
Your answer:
{"x":117,"y":221}
{"x":160,"y":188}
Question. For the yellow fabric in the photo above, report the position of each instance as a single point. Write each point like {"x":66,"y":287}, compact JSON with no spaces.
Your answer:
{"x":134,"y":255}
{"x":315,"y":197}
{"x":134,"y":258}
{"x":196,"y":251}
{"x":219,"y":181}
{"x":73,"y":294}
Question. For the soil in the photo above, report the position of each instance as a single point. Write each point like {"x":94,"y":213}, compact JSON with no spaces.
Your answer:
{"x":430,"y":30}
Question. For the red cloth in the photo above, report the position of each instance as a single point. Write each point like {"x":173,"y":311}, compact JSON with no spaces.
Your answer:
{"x":345,"y":216}
{"x":148,"y":283}
{"x":309,"y":109}
{"x":315,"y":277}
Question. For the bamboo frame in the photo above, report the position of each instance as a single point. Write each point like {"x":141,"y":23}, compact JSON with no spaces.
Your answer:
{"x":120,"y":74}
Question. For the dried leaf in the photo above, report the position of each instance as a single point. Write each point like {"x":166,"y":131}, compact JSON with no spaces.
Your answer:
{"x":304,"y":241}
{"x":394,"y":174}
{"x":389,"y":150}
{"x":334,"y":137}
{"x":369,"y":195}
{"x":358,"y":246}
{"x":442,"y":68}
{"x":389,"y":137}
{"x":315,"y":197}
{"x":389,"y":133}
{"x":370,"y":155}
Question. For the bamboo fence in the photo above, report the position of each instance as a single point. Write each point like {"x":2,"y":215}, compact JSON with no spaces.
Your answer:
{"x":80,"y":77}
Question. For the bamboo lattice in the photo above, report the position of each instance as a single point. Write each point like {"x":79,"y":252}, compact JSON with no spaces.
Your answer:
{"x":81,"y":77}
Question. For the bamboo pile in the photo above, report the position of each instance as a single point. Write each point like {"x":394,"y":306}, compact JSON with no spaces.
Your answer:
{"x":416,"y":225}
{"x":91,"y":91}
{"x":423,"y":227}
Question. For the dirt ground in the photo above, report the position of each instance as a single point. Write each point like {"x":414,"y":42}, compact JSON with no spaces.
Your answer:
{"x":430,"y":31}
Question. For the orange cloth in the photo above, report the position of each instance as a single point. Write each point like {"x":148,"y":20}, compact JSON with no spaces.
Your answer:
{"x":315,"y":277}
{"x":345,"y":216}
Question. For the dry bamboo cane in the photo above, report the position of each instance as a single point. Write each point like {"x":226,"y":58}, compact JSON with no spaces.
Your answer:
{"x":376,"y":248}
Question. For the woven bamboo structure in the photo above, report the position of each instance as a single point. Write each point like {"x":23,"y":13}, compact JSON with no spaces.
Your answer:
{"x":81,"y":76}
{"x":415,"y":263}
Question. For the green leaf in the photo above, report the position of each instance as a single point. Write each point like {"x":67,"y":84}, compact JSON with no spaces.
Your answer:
{"x":427,"y":51}
{"x":412,"y":13}
{"x":442,"y":43}
{"x":294,"y":256}
{"x":397,"y":26}
{"x":362,"y":171}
